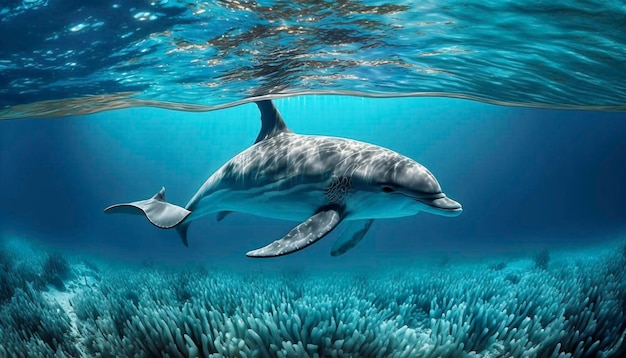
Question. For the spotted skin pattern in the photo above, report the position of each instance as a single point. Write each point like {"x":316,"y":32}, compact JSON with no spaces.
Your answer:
{"x":338,"y":190}
{"x":303,"y":235}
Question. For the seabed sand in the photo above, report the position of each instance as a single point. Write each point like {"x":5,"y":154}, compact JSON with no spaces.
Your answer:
{"x":562,"y":304}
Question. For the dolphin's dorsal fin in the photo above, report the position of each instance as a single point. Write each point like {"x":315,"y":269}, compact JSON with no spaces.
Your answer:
{"x":271,"y":121}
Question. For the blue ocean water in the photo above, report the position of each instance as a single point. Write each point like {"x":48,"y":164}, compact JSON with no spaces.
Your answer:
{"x":211,"y":54}
{"x":527,"y":178}
{"x":517,"y":107}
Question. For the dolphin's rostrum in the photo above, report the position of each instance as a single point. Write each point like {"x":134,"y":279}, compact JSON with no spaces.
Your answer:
{"x":316,"y":180}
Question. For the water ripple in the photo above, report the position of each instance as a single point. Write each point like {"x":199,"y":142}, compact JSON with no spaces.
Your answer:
{"x":101,"y":103}
{"x":211,"y":54}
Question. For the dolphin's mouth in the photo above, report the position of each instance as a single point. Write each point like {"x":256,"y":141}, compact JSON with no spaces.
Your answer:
{"x":443,"y":204}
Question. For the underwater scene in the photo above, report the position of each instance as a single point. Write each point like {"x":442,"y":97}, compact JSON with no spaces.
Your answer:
{"x":312,"y":178}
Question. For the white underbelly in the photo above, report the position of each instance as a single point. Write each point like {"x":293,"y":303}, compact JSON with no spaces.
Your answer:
{"x":300,"y":202}
{"x":296,"y":204}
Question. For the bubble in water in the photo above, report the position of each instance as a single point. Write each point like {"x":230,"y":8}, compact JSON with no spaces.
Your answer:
{"x":78,"y":27}
{"x":34,"y":3}
{"x":145,"y":15}
{"x":142,"y":16}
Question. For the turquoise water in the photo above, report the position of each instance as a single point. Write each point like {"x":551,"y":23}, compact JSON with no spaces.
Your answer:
{"x":153,"y":94}
{"x":527,"y":178}
{"x":533,"y":267}
{"x":568,"y":53}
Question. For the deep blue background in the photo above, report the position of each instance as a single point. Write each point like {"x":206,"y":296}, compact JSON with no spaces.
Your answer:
{"x":527,"y":178}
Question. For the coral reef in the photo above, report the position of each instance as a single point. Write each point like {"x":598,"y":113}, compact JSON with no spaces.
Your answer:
{"x":34,"y":327}
{"x":498,"y":266}
{"x":542,"y":259}
{"x":575,"y":310}
{"x":55,"y":270}
{"x":7,"y":286}
{"x":15,"y":274}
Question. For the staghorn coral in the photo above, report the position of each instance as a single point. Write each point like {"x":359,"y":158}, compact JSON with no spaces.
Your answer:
{"x":542,"y":258}
{"x":576,"y":311}
{"x":33,"y":327}
{"x":56,"y":270}
{"x":454,"y":313}
{"x":15,"y":273}
{"x":7,"y":285}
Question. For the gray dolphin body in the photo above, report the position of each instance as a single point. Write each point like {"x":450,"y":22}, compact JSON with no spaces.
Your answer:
{"x":315,"y":180}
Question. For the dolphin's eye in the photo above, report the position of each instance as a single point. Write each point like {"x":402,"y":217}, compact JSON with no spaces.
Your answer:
{"x":388,"y":189}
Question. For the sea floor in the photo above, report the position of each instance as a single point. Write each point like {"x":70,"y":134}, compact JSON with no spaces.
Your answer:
{"x":554,"y":304}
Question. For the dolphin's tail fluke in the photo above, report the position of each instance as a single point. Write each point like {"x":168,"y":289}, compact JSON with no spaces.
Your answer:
{"x":160,"y":213}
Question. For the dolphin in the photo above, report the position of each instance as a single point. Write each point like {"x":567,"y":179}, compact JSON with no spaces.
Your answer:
{"x":318,"y":181}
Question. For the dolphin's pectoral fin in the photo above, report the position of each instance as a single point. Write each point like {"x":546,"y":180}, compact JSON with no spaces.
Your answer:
{"x":303,"y":235}
{"x":222,"y":214}
{"x":160,"y":213}
{"x":352,"y":234}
